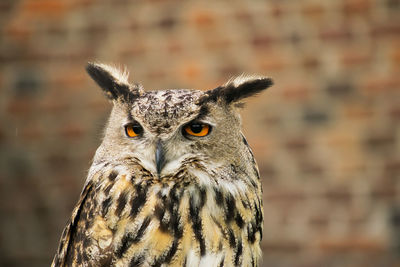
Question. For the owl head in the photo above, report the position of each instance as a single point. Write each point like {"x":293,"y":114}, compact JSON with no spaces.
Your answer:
{"x":166,"y":129}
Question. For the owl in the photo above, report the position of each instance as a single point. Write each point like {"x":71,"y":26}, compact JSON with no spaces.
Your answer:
{"x":173,"y":183}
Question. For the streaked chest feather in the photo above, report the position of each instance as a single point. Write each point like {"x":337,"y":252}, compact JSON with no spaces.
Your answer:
{"x":128,"y":222}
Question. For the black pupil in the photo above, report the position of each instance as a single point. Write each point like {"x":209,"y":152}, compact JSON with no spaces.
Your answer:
{"x":196,"y":128}
{"x":137,"y":129}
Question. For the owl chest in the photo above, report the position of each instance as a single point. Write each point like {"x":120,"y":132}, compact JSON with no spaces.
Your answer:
{"x":176,"y":226}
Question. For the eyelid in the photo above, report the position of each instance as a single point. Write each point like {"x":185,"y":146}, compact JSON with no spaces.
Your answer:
{"x":132,"y":122}
{"x":201,"y":122}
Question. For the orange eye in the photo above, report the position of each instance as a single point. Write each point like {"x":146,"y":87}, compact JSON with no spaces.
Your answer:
{"x":133,"y":130}
{"x":197,"y":129}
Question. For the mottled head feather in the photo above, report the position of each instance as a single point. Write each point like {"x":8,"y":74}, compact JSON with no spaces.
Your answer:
{"x":237,"y":89}
{"x":113,"y":81}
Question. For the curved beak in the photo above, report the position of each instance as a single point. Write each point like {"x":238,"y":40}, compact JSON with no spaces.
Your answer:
{"x":160,"y":157}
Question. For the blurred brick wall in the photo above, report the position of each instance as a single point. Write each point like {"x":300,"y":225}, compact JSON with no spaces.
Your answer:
{"x":326,"y":136}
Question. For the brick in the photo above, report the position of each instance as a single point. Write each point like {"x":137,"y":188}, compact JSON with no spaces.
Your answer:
{"x":243,"y":16}
{"x":392,"y":5}
{"x":311,"y":62}
{"x":351,"y":7}
{"x":395,"y":217}
{"x":134,"y":25}
{"x":51,"y":104}
{"x":278,"y":11}
{"x":19,"y":31}
{"x":384,"y":190}
{"x":20,"y":107}
{"x":385,"y":30}
{"x":376,"y":85}
{"x":285,"y":195}
{"x":83,"y":3}
{"x":285,"y":246}
{"x":357,"y":111}
{"x":267,"y":171}
{"x":45,"y":8}
{"x":295,"y":38}
{"x":6,"y":6}
{"x":57,"y":30}
{"x":99,"y":106}
{"x":380,"y":141}
{"x":31,"y":132}
{"x":309,"y":167}
{"x":314,"y":11}
{"x":392,"y":166}
{"x":319,"y":221}
{"x":272,"y":120}
{"x":72,"y":131}
{"x":355,"y":57}
{"x":3,"y":139}
{"x":340,"y":33}
{"x":157,"y":74}
{"x":217,"y":44}
{"x":203,"y":18}
{"x":20,"y":164}
{"x":342,"y":140}
{"x":133,"y":51}
{"x":58,"y":161}
{"x":260,"y":144}
{"x":175,"y":46}
{"x":95,"y":31}
{"x":269,"y":61}
{"x":167,"y":23}
{"x":395,"y":56}
{"x":315,"y":116}
{"x":358,"y":219}
{"x":299,"y":144}
{"x":27,"y":84}
{"x":229,"y":70}
{"x":14,"y":54}
{"x":68,"y":78}
{"x":191,"y":70}
{"x":262,"y":41}
{"x":296,"y":92}
{"x":352,"y":244}
{"x":341,"y":194}
{"x":351,"y":165}
{"x":340,"y":87}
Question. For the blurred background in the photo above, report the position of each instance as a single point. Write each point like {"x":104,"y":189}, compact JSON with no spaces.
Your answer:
{"x":326,"y":136}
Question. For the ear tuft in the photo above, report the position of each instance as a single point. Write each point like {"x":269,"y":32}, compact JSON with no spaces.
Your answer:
{"x":237,"y":89}
{"x":113,"y":81}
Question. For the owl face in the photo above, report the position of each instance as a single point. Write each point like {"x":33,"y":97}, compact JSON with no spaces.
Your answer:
{"x":164,"y":130}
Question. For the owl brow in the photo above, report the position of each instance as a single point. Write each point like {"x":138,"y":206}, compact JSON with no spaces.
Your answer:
{"x":203,"y":112}
{"x":130,"y":118}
